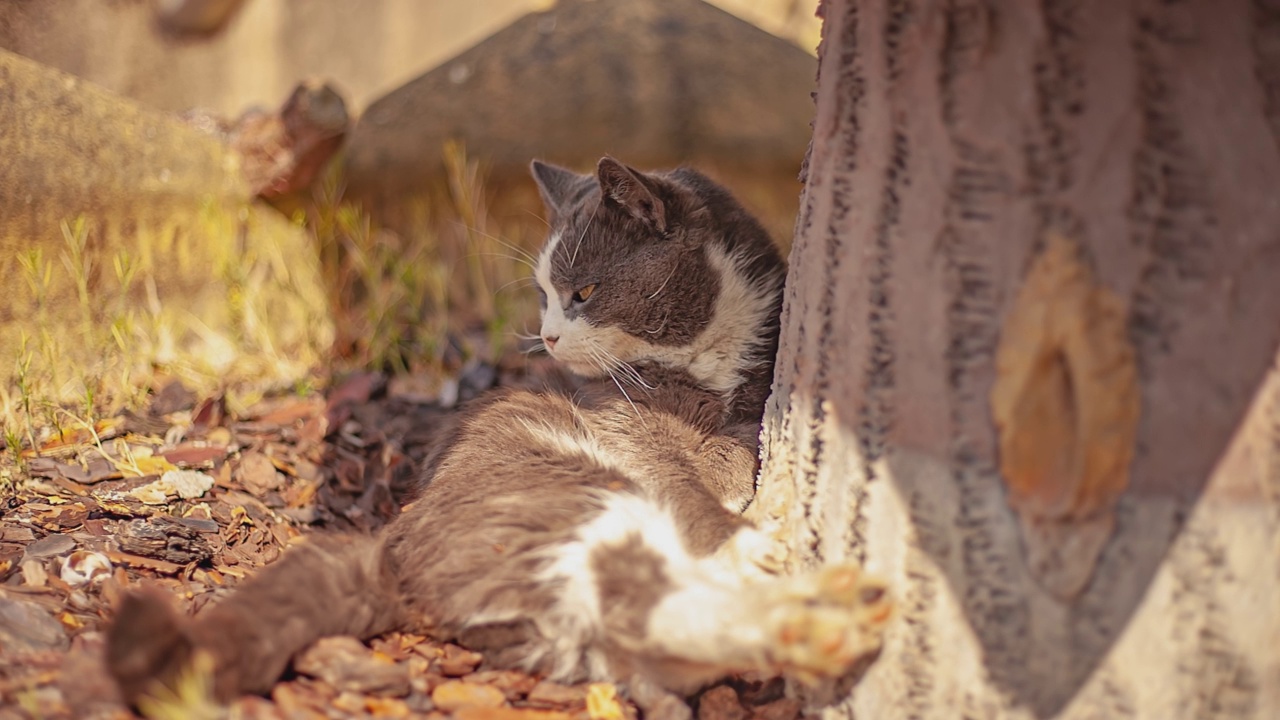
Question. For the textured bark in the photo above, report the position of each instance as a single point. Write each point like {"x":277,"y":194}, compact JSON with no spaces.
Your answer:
{"x":1106,"y":171}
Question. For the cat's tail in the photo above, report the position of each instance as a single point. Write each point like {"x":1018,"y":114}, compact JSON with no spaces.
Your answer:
{"x":334,"y":585}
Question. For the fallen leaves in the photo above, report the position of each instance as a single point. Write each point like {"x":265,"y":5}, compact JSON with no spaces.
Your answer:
{"x":348,"y":665}
{"x":195,"y":497}
{"x":552,"y":694}
{"x":26,"y":626}
{"x":477,"y":712}
{"x":721,"y":703}
{"x":34,"y":574}
{"x":602,"y":702}
{"x":50,"y":546}
{"x":166,"y":539}
{"x":163,"y":567}
{"x":457,"y":662}
{"x":257,"y":473}
{"x":192,"y":455}
{"x":455,"y":694}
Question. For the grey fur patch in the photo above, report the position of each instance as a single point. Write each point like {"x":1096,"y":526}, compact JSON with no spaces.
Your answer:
{"x":631,"y":580}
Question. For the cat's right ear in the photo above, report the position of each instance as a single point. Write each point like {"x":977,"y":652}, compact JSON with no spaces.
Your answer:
{"x":556,"y":185}
{"x":632,"y":192}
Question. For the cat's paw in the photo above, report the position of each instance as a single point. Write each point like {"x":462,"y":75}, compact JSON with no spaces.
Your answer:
{"x":753,"y":555}
{"x":821,"y":624}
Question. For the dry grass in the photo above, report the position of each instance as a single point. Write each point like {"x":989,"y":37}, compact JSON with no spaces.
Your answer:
{"x":48,"y":376}
{"x":450,"y":284}
{"x":401,"y":297}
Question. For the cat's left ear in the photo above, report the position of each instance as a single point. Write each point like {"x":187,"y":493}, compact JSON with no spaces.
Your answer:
{"x":631,"y":190}
{"x":556,"y":185}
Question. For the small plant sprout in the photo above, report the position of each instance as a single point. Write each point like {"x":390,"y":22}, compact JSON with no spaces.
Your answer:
{"x":38,"y":273}
{"x":25,"y":391}
{"x":76,"y":260}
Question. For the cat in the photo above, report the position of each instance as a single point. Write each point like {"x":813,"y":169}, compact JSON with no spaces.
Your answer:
{"x":588,"y":536}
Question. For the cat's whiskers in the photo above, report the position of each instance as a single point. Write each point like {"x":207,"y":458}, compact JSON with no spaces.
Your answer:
{"x":663,"y":286}
{"x":535,"y":338}
{"x":598,"y":360}
{"x":594,"y":350}
{"x":504,"y":256}
{"x":513,"y":282}
{"x":635,"y":375}
{"x":524,"y":255}
{"x":636,"y":410}
{"x":661,"y":327}
{"x":573,"y":258}
{"x":538,"y":343}
{"x":629,"y":371}
{"x":537,"y":216}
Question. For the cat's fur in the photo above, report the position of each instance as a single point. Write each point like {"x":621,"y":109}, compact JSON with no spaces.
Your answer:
{"x":593,"y":536}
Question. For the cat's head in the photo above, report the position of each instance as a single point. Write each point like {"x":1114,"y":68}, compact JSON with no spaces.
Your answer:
{"x":653,"y":267}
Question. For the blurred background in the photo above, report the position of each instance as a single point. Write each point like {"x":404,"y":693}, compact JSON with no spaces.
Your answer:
{"x":228,"y":56}
{"x":244,"y":194}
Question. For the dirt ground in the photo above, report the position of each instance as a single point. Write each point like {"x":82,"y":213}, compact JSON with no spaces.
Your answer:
{"x":193,"y":497}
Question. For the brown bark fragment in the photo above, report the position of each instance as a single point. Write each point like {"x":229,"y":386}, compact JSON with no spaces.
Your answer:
{"x":164,"y":539}
{"x":549,"y":693}
{"x":347,"y":665}
{"x":482,"y":712}
{"x":455,"y":695}
{"x":720,"y":703}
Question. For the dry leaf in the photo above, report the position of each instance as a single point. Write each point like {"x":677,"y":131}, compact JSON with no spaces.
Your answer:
{"x":190,"y":455}
{"x":602,"y":702}
{"x":720,"y":703}
{"x":186,"y":484}
{"x":347,"y":665}
{"x":456,"y":694}
{"x":257,"y":473}
{"x":386,"y":707}
{"x":550,"y":693}
{"x":288,"y":412}
{"x":71,"y":622}
{"x":458,"y":662}
{"x":123,"y":509}
{"x":33,"y":574}
{"x":154,"y":465}
{"x":478,"y":712}
{"x":151,"y":493}
{"x":160,"y":566}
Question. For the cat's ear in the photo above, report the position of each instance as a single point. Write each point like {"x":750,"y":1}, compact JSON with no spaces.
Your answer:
{"x":632,"y":191}
{"x":557,"y":186}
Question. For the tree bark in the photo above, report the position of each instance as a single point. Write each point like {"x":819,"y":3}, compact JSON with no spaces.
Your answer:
{"x":1028,"y":367}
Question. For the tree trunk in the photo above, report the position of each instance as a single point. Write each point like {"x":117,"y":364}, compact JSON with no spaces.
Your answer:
{"x":1028,"y":365}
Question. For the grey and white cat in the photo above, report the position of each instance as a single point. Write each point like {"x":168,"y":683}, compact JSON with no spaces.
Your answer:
{"x":593,"y":536}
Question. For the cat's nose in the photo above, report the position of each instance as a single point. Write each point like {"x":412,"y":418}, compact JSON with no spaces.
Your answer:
{"x":550,"y":341}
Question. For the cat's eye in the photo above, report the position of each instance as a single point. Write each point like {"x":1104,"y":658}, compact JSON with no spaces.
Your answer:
{"x":584,"y":293}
